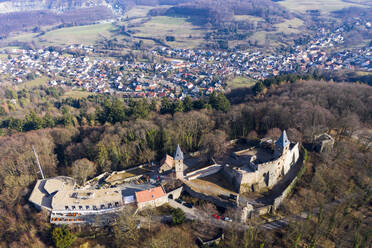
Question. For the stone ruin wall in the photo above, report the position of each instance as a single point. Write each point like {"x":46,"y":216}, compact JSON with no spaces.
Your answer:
{"x":267,"y":175}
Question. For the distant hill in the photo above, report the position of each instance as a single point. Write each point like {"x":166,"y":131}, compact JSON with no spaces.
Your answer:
{"x":19,"y":15}
{"x":26,"y":15}
{"x":220,"y":11}
{"x":59,"y":6}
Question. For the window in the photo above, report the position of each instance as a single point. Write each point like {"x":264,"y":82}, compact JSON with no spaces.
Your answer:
{"x":116,"y":204}
{"x":66,"y":207}
{"x":87,"y":207}
{"x":109,"y":205}
{"x":81,"y":207}
{"x":94,"y":207}
{"x":103,"y":206}
{"x":73,"y":207}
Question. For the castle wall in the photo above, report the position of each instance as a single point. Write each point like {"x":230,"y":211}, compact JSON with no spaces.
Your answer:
{"x":175,"y":193}
{"x":267,"y":174}
{"x":232,"y":176}
{"x":203,"y":172}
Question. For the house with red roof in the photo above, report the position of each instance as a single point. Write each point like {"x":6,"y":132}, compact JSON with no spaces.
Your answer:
{"x":153,"y":197}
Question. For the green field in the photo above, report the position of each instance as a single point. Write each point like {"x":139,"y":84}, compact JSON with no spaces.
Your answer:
{"x":3,"y":56}
{"x":248,"y":18}
{"x":241,"y":82}
{"x":78,"y":94}
{"x":34,"y":83}
{"x":186,"y":34}
{"x":87,"y":35}
{"x":81,"y":34}
{"x":290,"y":26}
{"x":322,"y":5}
{"x":138,"y":11}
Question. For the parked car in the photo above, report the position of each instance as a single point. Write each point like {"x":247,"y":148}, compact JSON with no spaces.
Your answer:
{"x":188,"y":205}
{"x":179,"y":201}
{"x":227,"y":219}
{"x":216,"y":216}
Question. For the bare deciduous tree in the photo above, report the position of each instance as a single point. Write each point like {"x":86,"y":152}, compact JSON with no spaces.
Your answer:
{"x":82,"y":169}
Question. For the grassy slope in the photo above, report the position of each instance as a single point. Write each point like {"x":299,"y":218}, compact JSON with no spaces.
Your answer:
{"x":180,"y":28}
{"x":87,"y":35}
{"x":81,"y":34}
{"x":78,"y":94}
{"x":325,"y":6}
{"x":290,"y":26}
{"x":34,"y":83}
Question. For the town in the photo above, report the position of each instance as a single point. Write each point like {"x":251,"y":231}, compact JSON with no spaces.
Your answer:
{"x":176,"y":73}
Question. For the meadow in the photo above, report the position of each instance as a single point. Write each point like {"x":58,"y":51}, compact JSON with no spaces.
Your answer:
{"x":240,"y":82}
{"x":186,"y":34}
{"x":322,"y":5}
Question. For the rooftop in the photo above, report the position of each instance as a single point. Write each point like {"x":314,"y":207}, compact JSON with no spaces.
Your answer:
{"x":56,"y":184}
{"x":42,"y":194}
{"x":149,"y":194}
{"x":283,"y":140}
{"x":85,"y":198}
{"x":168,"y":160}
{"x":178,"y":155}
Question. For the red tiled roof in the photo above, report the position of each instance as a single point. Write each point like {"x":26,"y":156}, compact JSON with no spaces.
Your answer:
{"x":150,"y":194}
{"x":168,"y":160}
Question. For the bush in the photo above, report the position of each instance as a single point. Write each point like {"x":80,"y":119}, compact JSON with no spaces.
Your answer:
{"x":62,"y":237}
{"x":178,"y":216}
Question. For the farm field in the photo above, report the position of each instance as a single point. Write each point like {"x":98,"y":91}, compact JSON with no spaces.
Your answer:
{"x":186,"y":34}
{"x":290,"y":26}
{"x":322,"y":5}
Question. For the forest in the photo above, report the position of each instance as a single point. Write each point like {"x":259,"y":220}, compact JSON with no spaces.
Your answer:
{"x":107,"y":134}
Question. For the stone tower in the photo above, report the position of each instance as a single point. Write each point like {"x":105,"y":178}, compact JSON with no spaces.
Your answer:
{"x":281,"y":145}
{"x":178,"y":162}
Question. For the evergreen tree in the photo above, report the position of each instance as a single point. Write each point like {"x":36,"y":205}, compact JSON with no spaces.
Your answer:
{"x":258,"y":88}
{"x":177,"y":107}
{"x":33,"y":122}
{"x":112,"y":111}
{"x":166,"y":106}
{"x":178,"y":216}
{"x":187,"y":104}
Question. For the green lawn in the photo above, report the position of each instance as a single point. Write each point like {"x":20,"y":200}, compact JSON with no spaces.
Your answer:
{"x":322,"y":5}
{"x":241,"y":82}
